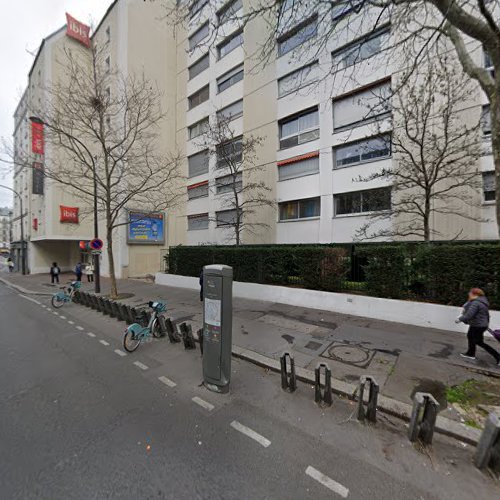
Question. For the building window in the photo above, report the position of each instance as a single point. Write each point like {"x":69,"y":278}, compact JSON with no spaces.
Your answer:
{"x":198,"y":163}
{"x":354,"y":153}
{"x":231,"y":112}
{"x":298,"y":79}
{"x":198,"y":36}
{"x":362,"y":107}
{"x":228,"y":11}
{"x":299,"y":129}
{"x":230,"y":153}
{"x":199,"y":190}
{"x":486,"y":120}
{"x":299,"y":167}
{"x":298,"y":35}
{"x":199,"y":66}
{"x":300,"y":209}
{"x":108,"y":64}
{"x":357,"y":202}
{"x":198,"y":128}
{"x":230,"y":43}
{"x":228,"y":183}
{"x":489,"y":186}
{"x":359,"y":51}
{"x":342,"y":9}
{"x":196,"y":6}
{"x":199,"y":97}
{"x":197,"y":222}
{"x":108,"y":34}
{"x":488,"y":64}
{"x":230,"y":78}
{"x":226,"y":218}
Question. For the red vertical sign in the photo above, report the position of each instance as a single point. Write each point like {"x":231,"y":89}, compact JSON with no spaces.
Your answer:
{"x":77,"y":30}
{"x":69,"y":214}
{"x":37,"y":145}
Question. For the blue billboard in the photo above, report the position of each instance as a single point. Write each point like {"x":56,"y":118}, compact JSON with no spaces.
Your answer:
{"x":146,"y":228}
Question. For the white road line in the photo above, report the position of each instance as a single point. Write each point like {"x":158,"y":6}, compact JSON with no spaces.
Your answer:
{"x":167,"y":381}
{"x":71,"y":322}
{"x":250,"y":433}
{"x":90,"y":334}
{"x":103,"y":342}
{"x":327,"y":481}
{"x":62,"y":317}
{"x":204,"y":404}
{"x":55,"y":312}
{"x":140,"y":365}
{"x":80,"y":328}
{"x":30,"y":299}
{"x":120,"y":353}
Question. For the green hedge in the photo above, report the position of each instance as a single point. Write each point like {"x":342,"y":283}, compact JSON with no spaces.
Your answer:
{"x":437,"y":272}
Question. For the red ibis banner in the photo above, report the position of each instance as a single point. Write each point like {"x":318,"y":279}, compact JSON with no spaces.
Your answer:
{"x":37,"y":145}
{"x":77,"y":30}
{"x":69,"y":214}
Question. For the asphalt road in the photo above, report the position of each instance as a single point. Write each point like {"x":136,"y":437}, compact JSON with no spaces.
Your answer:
{"x":79,"y":419}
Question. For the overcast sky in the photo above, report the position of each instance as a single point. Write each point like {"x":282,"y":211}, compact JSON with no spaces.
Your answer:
{"x":24,"y":24}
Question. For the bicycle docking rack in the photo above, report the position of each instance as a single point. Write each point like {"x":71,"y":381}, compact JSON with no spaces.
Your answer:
{"x":368,"y":411}
{"x":288,"y":379}
{"x":200,"y":339}
{"x":324,"y":397}
{"x":173,"y":336}
{"x":187,"y":336}
{"x":423,"y":418}
{"x":488,"y":448}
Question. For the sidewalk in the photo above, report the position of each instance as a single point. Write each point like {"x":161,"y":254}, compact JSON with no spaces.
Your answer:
{"x":404,"y":359}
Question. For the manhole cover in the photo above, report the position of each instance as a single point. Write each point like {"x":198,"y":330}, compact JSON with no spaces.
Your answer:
{"x":314,"y":346}
{"x":351,"y":354}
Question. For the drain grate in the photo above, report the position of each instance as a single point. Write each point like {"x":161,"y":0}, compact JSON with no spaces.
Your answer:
{"x":350,"y":354}
{"x":313,"y":346}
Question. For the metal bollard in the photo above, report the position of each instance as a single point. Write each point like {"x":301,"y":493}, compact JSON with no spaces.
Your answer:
{"x":132,"y":313}
{"x":187,"y":336}
{"x":288,"y":379}
{"x":488,"y":448}
{"x":423,"y":418}
{"x":370,"y":413}
{"x":94,"y":304}
{"x":324,"y":398}
{"x":84,"y":297}
{"x":163,"y":326}
{"x":173,"y":336}
{"x":76,"y":297}
{"x":121,"y":312}
{"x":200,"y":339}
{"x":107,"y":307}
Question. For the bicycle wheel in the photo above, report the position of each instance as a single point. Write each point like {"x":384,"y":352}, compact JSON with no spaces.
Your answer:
{"x":156,"y":329}
{"x":57,"y":301}
{"x":130,"y":341}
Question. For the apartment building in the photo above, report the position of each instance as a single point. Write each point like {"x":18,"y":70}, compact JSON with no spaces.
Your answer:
{"x":5,"y":222}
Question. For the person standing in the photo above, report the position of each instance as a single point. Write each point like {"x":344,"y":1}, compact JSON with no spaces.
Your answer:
{"x":78,"y":271}
{"x":55,"y":271}
{"x":10,"y":263}
{"x":89,"y":271}
{"x":476,"y":314}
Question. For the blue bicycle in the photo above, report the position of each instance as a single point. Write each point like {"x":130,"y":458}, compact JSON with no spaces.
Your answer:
{"x":66,"y":294}
{"x":136,"y":333}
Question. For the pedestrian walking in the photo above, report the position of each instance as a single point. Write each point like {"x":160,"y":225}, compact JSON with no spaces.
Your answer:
{"x":476,"y":314}
{"x":10,"y":263}
{"x":55,"y":271}
{"x":78,"y":271}
{"x":89,"y":271}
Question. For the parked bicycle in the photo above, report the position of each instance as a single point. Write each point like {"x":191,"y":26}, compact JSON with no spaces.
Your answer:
{"x":66,"y":294}
{"x":137,"y":333}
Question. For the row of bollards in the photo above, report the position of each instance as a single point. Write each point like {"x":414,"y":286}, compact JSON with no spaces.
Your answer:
{"x":424,"y":412}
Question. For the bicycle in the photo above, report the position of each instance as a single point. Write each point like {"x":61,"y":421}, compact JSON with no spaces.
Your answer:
{"x":66,"y":294}
{"x":136,"y":333}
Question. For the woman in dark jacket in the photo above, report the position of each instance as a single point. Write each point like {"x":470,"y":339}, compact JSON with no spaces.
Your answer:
{"x":476,"y":314}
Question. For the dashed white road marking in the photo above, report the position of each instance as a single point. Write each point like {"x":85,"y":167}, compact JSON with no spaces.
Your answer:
{"x":204,"y":404}
{"x":103,"y":342}
{"x":140,"y":365}
{"x":80,"y":328}
{"x":30,"y":299}
{"x":71,"y":322}
{"x":167,"y":381}
{"x":327,"y":481}
{"x":250,"y":433}
{"x":62,"y":317}
{"x":90,"y":334}
{"x":55,"y":312}
{"x":120,"y":353}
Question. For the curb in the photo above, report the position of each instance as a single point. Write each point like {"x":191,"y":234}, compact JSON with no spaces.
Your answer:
{"x":386,"y":405}
{"x":23,"y":290}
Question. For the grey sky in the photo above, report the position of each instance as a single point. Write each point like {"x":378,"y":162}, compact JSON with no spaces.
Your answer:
{"x":24,"y":24}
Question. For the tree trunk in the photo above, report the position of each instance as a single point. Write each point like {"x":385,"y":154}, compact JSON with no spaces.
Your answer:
{"x":495,"y":147}
{"x":427,"y":217}
{"x":114,"y":290}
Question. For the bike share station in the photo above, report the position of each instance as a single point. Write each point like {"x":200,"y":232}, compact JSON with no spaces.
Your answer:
{"x":217,"y":327}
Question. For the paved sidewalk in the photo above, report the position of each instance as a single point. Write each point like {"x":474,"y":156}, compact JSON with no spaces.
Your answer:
{"x":403,"y":358}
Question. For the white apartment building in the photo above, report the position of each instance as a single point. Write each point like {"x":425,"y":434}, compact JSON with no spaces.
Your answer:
{"x":5,"y":222}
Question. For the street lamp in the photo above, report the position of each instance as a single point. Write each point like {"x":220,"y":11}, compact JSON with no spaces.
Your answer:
{"x":97,"y":273}
{"x":23,"y":250}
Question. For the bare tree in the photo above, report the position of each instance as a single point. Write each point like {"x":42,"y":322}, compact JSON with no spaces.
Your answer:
{"x":242,"y":194}
{"x":104,"y":132}
{"x":469,"y":27}
{"x":434,"y":149}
